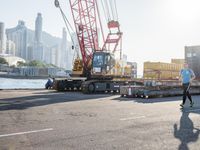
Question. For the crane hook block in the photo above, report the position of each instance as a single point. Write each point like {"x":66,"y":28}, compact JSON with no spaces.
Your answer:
{"x":57,"y":4}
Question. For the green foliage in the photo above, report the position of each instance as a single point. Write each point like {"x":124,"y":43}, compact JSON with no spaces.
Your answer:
{"x":21,"y":63}
{"x":35,"y":63}
{"x":3,"y":61}
{"x":52,"y":65}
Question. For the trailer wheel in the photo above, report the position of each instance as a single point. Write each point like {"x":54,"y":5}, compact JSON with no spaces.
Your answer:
{"x":91,"y":88}
{"x":61,"y":86}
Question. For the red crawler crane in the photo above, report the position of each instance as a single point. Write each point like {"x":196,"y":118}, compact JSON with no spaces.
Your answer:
{"x":97,"y":61}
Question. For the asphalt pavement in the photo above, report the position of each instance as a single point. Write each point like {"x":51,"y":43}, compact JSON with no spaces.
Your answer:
{"x":49,"y":120}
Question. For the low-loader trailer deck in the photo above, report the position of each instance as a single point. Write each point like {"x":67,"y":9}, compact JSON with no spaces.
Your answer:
{"x":157,"y":91}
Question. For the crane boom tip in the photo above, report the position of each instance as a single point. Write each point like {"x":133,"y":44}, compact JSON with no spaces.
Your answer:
{"x":57,"y":4}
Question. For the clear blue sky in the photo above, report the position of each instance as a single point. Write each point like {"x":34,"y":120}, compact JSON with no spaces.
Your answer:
{"x":154,"y":30}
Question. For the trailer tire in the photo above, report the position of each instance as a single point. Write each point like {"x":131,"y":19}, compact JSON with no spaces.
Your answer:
{"x":61,"y":86}
{"x":91,"y":88}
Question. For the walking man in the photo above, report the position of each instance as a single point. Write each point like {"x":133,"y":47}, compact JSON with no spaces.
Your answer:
{"x":186,"y":75}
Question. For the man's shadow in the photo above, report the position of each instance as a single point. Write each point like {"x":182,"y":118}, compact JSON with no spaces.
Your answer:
{"x":187,"y":132}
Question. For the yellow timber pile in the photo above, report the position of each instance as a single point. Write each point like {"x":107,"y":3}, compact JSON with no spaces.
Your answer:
{"x":121,"y":68}
{"x":178,"y":61}
{"x":163,"y":71}
{"x":78,"y":67}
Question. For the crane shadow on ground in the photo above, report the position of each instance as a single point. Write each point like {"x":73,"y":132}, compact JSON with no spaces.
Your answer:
{"x":46,"y":98}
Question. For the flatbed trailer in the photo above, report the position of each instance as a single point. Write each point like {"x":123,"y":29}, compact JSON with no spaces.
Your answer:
{"x":93,"y":85}
{"x":157,"y":91}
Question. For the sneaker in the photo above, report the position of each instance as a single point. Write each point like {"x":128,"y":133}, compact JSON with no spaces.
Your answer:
{"x":191,"y":104}
{"x":181,"y":105}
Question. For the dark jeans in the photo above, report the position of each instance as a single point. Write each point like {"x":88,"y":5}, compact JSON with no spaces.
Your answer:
{"x":186,"y":93}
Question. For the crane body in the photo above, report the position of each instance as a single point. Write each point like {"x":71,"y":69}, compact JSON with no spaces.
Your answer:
{"x":97,"y":65}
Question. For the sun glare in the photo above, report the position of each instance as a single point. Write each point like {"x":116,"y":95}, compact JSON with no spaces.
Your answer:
{"x":185,"y":9}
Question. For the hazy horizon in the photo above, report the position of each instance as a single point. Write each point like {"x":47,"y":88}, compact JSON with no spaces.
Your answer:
{"x":155,"y":30}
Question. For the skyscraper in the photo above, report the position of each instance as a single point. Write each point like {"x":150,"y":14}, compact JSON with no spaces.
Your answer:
{"x":63,"y":50}
{"x":18,"y":35}
{"x":38,"y":28}
{"x":1,"y":36}
{"x":30,"y":52}
{"x":54,"y":55}
{"x":10,"y":47}
{"x":38,"y":48}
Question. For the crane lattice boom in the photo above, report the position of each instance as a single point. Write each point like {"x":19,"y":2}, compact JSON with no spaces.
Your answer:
{"x":85,"y":20}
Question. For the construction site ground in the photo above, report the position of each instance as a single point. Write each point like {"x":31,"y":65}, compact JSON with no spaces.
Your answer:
{"x":49,"y":120}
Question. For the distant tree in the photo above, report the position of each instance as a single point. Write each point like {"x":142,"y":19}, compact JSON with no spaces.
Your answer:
{"x":3,"y":61}
{"x":21,"y":63}
{"x":33,"y":63}
{"x":51,"y":65}
{"x":12,"y":66}
{"x":36,"y":63}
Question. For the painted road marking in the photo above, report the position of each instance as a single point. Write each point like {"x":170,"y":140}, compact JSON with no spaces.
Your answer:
{"x":27,"y":132}
{"x":193,"y":110}
{"x":132,"y":118}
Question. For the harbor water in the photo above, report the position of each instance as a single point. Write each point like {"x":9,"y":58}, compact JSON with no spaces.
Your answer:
{"x":9,"y":83}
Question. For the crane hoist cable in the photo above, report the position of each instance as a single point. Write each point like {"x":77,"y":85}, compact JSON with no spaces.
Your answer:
{"x":115,"y":5}
{"x":102,"y":31}
{"x":107,"y":9}
{"x":104,"y":10}
{"x":112,"y":10}
{"x":68,"y":25}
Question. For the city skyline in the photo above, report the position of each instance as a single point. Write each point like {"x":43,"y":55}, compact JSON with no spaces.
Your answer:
{"x":38,"y":45}
{"x":159,"y":29}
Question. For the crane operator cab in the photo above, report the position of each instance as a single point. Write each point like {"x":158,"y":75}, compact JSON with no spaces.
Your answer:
{"x":102,"y":63}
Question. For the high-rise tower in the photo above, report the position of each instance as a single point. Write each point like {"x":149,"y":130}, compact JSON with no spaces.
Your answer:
{"x":38,"y":28}
{"x":63,"y":51}
{"x":1,"y":36}
{"x":38,"y":48}
{"x":19,"y":36}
